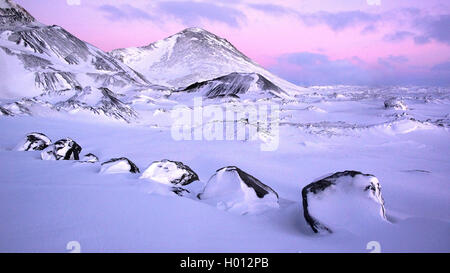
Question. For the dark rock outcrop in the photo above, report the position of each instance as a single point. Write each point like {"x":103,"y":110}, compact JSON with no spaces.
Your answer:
{"x":233,"y":85}
{"x":63,"y":149}
{"x":34,"y":142}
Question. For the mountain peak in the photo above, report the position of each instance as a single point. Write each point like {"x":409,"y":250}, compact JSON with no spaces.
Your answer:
{"x":13,"y":14}
{"x":189,"y":56}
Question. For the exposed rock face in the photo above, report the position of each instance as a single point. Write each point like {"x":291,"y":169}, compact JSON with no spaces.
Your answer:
{"x":342,"y":198}
{"x":232,"y":189}
{"x":119,"y":165}
{"x":34,"y":142}
{"x":13,"y":14}
{"x":170,"y":172}
{"x":64,"y":149}
{"x":395,"y":103}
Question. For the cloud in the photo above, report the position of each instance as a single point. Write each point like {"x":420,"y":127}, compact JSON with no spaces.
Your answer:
{"x":308,"y":68}
{"x":368,"y":29}
{"x":442,"y":67}
{"x":434,"y":28}
{"x":425,"y":29}
{"x":340,"y":20}
{"x":191,"y":13}
{"x":124,"y":12}
{"x":398,"y":36}
{"x":270,"y":8}
{"x":392,"y":60}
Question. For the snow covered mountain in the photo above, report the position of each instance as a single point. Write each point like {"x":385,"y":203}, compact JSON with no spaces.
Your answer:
{"x":190,"y":56}
{"x":36,"y":58}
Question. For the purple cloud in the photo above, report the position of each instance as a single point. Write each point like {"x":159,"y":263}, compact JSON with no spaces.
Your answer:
{"x":398,"y":36}
{"x":442,"y":67}
{"x":125,"y":12}
{"x":392,"y":60}
{"x":426,"y":29}
{"x":270,"y":8}
{"x":434,"y":28}
{"x":306,"y":68}
{"x":190,"y":12}
{"x":340,"y":20}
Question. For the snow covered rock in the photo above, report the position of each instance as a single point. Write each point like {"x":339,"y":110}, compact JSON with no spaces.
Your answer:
{"x":64,"y":149}
{"x":232,"y":189}
{"x":394,"y":103}
{"x":170,"y":172}
{"x":119,"y":165}
{"x":34,"y":142}
{"x":348,"y":200}
{"x":90,"y":158}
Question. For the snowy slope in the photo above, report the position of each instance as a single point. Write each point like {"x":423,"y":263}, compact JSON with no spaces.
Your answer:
{"x":192,"y":55}
{"x":46,"y":204}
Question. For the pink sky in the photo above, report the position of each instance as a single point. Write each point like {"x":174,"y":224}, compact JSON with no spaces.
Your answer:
{"x":339,"y":41}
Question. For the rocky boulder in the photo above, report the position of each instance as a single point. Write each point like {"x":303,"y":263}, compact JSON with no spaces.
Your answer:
{"x":63,"y":149}
{"x":232,"y":189}
{"x":348,"y":200}
{"x":34,"y":142}
{"x":119,"y":165}
{"x":395,"y":103}
{"x":170,"y":173}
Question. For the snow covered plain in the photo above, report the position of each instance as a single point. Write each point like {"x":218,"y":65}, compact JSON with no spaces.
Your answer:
{"x":46,"y":204}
